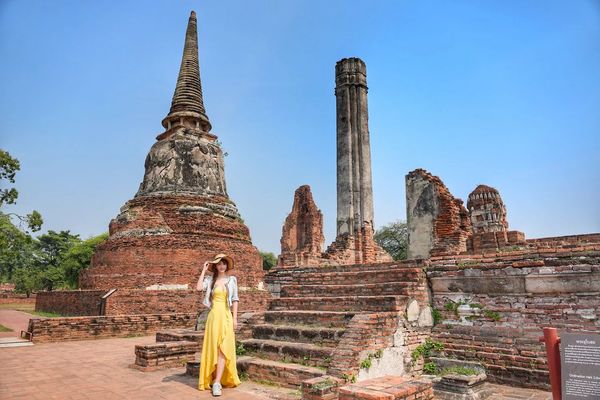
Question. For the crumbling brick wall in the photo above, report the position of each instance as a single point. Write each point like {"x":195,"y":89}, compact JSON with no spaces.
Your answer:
{"x":70,"y":302}
{"x":438,"y":223}
{"x":494,"y":307}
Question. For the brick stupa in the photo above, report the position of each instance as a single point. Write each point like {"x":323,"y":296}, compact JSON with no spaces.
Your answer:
{"x":181,"y":214}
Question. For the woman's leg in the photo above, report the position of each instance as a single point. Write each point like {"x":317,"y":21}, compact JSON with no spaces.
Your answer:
{"x":220,"y":366}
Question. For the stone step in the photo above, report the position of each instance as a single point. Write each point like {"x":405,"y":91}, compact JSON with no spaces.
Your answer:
{"x":298,"y":333}
{"x":268,"y":371}
{"x":341,"y":303}
{"x":149,"y":357}
{"x":332,"y":319}
{"x":293,"y":352}
{"x":390,"y":387}
{"x":346,"y":275}
{"x":340,"y":269}
{"x":355,"y":289}
{"x":175,"y":335}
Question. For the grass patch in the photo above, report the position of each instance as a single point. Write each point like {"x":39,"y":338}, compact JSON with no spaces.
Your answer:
{"x":424,"y":350}
{"x":26,"y":307}
{"x":240,"y":350}
{"x":492,"y":314}
{"x":5,"y":328}
{"x":47,"y":314}
{"x":132,"y":335}
{"x":327,"y":382}
{"x":430,"y":368}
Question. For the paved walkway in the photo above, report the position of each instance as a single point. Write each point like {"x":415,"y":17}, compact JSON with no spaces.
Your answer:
{"x":15,"y":320}
{"x":510,"y":393}
{"x":99,"y":369}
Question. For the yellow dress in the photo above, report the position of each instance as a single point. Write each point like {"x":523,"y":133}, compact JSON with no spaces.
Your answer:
{"x":218,"y":333}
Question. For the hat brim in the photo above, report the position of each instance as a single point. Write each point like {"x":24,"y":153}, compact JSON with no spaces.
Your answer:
{"x":225,"y":258}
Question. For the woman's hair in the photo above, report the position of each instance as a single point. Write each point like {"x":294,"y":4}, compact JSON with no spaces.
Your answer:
{"x":215,"y":272}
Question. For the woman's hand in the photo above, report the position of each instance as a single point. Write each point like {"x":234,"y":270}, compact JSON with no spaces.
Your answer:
{"x":205,"y":266}
{"x":235,"y":324}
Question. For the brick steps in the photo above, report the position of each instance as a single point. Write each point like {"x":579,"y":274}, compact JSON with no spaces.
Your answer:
{"x":297,"y":333}
{"x":351,"y":277}
{"x":388,"y":388}
{"x":306,"y":317}
{"x":341,"y":303}
{"x":284,"y":374}
{"x":174,"y":335}
{"x":293,"y":352}
{"x":362,"y":289}
{"x":154,"y":356}
{"x":337,"y":269}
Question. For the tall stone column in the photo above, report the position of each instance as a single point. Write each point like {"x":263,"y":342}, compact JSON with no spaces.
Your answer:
{"x":354,"y":182}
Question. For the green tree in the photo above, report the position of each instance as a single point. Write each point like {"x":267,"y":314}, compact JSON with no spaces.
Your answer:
{"x":27,"y":280}
{"x":17,"y":249}
{"x":8,"y":169}
{"x":269,"y":260}
{"x":53,"y":247}
{"x":393,"y":238}
{"x":78,"y":257}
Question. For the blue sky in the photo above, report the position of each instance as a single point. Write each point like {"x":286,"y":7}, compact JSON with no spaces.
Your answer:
{"x":504,"y":93}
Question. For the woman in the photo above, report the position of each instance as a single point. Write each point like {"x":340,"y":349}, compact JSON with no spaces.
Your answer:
{"x":218,"y":364}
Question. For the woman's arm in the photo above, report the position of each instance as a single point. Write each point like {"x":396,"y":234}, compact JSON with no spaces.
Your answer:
{"x":234,"y":305}
{"x":200,"y":280}
{"x":234,"y":301}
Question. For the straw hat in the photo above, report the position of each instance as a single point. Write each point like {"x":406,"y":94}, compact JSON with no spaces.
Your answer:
{"x":225,"y":258}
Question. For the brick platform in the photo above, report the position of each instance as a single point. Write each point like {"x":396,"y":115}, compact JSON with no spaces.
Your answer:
{"x":388,"y":388}
{"x":82,"y":328}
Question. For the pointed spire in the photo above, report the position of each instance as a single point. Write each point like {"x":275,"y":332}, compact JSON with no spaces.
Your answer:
{"x":187,"y":106}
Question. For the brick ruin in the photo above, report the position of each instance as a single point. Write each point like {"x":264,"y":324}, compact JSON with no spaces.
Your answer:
{"x":487,"y":210}
{"x":494,"y":289}
{"x":180,"y":216}
{"x":302,"y":233}
{"x":347,"y":313}
{"x":437,"y":222}
{"x":354,"y":243}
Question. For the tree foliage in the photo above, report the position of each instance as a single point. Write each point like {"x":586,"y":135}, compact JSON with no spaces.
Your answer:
{"x":50,"y":261}
{"x":79,"y":257}
{"x":269,"y":260}
{"x":8,"y":169}
{"x":393,"y":238}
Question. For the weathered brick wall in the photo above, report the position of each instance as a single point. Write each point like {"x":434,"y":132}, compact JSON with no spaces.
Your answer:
{"x":368,"y":333}
{"x":82,"y":328}
{"x":139,"y":301}
{"x":17,"y":300}
{"x":494,"y":307}
{"x":9,"y":296}
{"x":559,"y":241}
{"x":165,"y":240}
{"x":70,"y":302}
{"x":136,"y":301}
{"x":438,"y":223}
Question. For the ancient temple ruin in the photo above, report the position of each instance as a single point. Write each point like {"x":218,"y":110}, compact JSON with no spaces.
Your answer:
{"x":180,"y":216}
{"x":302,"y":233}
{"x":354,"y":243}
{"x":471,"y":286}
{"x":354,"y":181}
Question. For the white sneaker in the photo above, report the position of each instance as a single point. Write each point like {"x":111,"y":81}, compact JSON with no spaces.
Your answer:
{"x":216,"y":389}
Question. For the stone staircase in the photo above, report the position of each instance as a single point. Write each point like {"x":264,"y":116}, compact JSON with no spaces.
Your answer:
{"x":296,"y":337}
{"x":319,"y":324}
